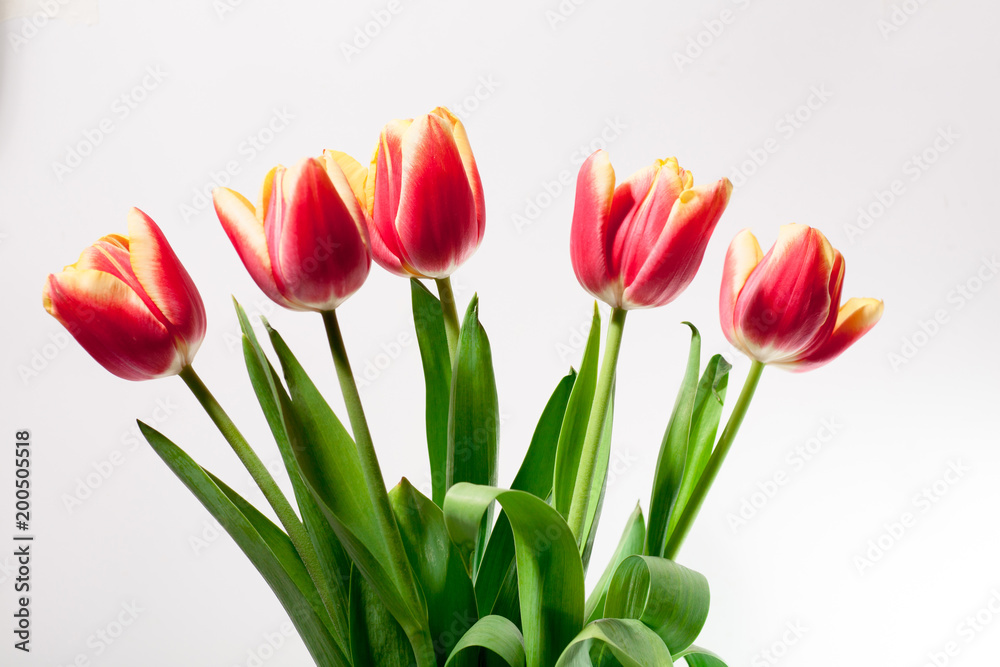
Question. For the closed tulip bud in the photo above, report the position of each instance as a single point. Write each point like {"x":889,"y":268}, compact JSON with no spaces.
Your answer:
{"x":639,"y":245}
{"x":425,"y":197}
{"x":305,"y":244}
{"x":129,"y":302}
{"x":784,"y":308}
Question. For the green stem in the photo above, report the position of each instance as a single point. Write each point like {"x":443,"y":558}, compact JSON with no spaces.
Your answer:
{"x":708,"y":476}
{"x":258,"y":471}
{"x":451,"y":324}
{"x":373,"y":478}
{"x":580,"y":505}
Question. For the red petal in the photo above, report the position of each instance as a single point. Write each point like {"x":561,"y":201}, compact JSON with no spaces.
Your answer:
{"x":245,"y":231}
{"x":436,"y":221}
{"x":112,"y":323}
{"x":854,"y":319}
{"x":165,"y":280}
{"x":317,"y":247}
{"x":742,"y":258}
{"x":590,"y":236}
{"x":674,"y":260}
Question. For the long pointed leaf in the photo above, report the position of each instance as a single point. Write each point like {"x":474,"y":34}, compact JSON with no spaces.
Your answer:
{"x":474,"y":416}
{"x":428,"y":320}
{"x":673,"y":453}
{"x":574,"y":426}
{"x":699,"y":657}
{"x":668,"y":598}
{"x":705,"y":416}
{"x":437,"y":563}
{"x":274,"y":556}
{"x":616,"y":643}
{"x":377,"y":640}
{"x":549,"y":569}
{"x":631,"y":543}
{"x":495,"y":634}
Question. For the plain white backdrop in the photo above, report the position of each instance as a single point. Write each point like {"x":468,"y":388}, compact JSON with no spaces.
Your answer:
{"x":872,"y":120}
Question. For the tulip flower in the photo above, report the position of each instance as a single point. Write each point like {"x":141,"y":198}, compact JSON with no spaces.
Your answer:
{"x":129,"y":302}
{"x":305,"y":244}
{"x":783,"y":308}
{"x":425,"y":197}
{"x":639,"y":245}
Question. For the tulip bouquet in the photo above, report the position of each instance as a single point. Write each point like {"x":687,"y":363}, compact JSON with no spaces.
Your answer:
{"x":478,"y":573}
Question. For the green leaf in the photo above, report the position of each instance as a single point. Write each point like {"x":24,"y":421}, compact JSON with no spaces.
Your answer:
{"x":631,"y":544}
{"x":333,"y":560}
{"x":428,"y":320}
{"x":377,"y":640}
{"x":495,"y":634}
{"x":616,"y":643}
{"x":599,"y":485}
{"x":699,"y":657}
{"x":474,"y":417}
{"x":574,"y":427}
{"x":331,"y":467}
{"x":673,"y":453}
{"x":264,"y":544}
{"x":549,"y":569}
{"x":705,"y":418}
{"x":437,"y":564}
{"x":496,"y":579}
{"x":668,"y":598}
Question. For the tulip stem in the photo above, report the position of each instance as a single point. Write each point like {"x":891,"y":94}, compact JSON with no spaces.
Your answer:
{"x":450,"y":309}
{"x":693,"y":506}
{"x":258,"y":471}
{"x":373,"y":475}
{"x":580,"y":505}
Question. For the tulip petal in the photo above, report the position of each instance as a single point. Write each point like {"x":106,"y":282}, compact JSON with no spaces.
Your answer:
{"x":436,"y":202}
{"x":787,"y":300}
{"x":639,"y":213}
{"x":674,"y":260}
{"x":471,"y":170}
{"x":246,"y":232}
{"x":352,"y":170}
{"x":742,"y":258}
{"x":590,"y":239}
{"x":382,"y":191}
{"x":318,"y":254}
{"x":165,"y":280}
{"x":111,"y":322}
{"x":854,"y":319}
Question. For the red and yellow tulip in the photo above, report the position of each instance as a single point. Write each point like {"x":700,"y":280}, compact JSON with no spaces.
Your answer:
{"x":425,"y":197}
{"x":784,"y":308}
{"x":130,"y":303}
{"x":639,"y":245}
{"x":305,"y":244}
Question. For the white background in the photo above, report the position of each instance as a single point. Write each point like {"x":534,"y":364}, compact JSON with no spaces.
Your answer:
{"x":536,"y":89}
